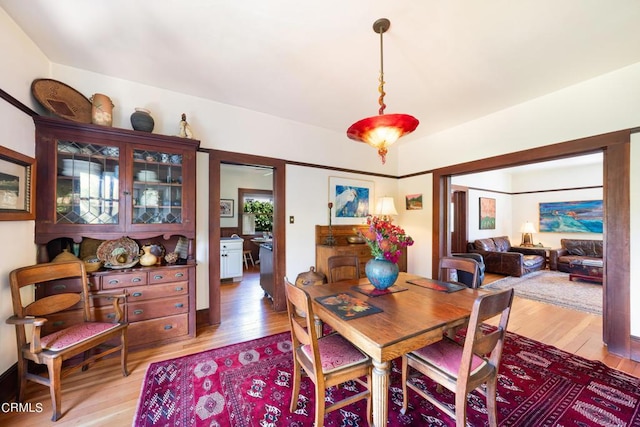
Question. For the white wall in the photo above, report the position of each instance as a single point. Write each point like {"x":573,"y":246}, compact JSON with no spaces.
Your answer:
{"x":525,"y":189}
{"x":307,"y":195}
{"x":233,"y":177}
{"x":22,"y":62}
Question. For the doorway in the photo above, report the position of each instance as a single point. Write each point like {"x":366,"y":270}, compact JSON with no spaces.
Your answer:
{"x":216,"y":159}
{"x":615,"y":147}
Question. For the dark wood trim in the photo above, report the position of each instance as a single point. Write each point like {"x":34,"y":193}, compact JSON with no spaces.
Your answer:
{"x":216,"y":157}
{"x":616,"y":196}
{"x":515,"y":193}
{"x":312,"y":165}
{"x":8,"y":383}
{"x":617,"y":248}
{"x":19,"y":105}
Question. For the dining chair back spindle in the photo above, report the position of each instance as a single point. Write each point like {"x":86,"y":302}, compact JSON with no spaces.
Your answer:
{"x":463,"y":368}
{"x":328,"y":361}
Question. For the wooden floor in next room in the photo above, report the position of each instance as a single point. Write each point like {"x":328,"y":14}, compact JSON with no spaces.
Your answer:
{"x":101,"y":396}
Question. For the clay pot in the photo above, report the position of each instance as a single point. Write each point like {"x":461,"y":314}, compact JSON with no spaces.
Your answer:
{"x":141,"y":120}
{"x":101,"y":110}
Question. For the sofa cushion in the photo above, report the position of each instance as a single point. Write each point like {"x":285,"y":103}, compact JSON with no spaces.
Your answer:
{"x":485,"y":245}
{"x":577,"y":247}
{"x":502,"y":243}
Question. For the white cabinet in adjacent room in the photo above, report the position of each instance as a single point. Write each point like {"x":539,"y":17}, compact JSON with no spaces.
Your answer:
{"x":231,"y":258}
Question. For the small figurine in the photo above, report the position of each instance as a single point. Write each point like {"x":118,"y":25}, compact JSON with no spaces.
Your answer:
{"x":185,"y":129}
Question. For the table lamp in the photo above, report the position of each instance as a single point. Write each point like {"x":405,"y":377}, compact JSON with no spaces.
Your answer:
{"x":527,"y":233}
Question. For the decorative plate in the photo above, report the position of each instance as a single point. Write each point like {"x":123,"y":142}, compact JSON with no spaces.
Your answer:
{"x":62,"y":100}
{"x":119,"y":253}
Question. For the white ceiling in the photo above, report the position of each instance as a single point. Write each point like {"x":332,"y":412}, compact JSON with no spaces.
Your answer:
{"x":317,"y":62}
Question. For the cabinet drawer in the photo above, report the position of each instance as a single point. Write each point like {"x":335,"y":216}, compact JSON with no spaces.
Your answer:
{"x":141,"y":293}
{"x":161,"y":329}
{"x":117,"y":281}
{"x":168,"y":275}
{"x":157,"y":308}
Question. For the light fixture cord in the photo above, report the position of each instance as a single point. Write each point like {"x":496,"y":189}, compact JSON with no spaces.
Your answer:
{"x":381,"y":79}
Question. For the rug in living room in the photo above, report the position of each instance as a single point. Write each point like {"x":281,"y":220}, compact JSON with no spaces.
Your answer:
{"x":554,"y":287}
{"x":249,"y":384}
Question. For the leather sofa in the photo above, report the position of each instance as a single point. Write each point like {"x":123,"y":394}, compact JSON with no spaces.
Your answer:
{"x":502,"y":258}
{"x":576,"y":251}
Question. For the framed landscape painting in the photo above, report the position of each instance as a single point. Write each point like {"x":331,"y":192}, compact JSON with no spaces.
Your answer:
{"x":17,"y":180}
{"x":414,"y":202}
{"x":571,"y":217}
{"x":487,"y":213}
{"x":351,"y":200}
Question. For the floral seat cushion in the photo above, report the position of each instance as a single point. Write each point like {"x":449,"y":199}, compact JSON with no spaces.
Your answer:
{"x":447,"y":355}
{"x":336,"y":353}
{"x":74,"y":334}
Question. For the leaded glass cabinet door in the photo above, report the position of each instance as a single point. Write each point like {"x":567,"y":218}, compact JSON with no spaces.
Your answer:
{"x":87,"y":183}
{"x":157,"y":187}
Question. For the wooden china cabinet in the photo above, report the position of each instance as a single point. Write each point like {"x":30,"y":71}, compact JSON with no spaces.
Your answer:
{"x":97,"y":184}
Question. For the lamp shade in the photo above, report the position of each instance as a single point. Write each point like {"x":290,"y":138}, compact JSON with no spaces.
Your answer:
{"x":528,"y":227}
{"x":382,"y":130}
{"x":386,"y":207}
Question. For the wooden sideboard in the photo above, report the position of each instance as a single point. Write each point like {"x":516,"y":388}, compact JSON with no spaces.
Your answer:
{"x":342,"y":247}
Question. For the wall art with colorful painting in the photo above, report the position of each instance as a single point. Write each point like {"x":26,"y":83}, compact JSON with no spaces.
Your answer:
{"x":571,"y":217}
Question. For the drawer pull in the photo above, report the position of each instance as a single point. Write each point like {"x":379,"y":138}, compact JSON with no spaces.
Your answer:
{"x":179,"y":274}
{"x":136,"y":280}
{"x":179,"y":288}
{"x":167,"y":327}
{"x":136,"y":294}
{"x":114,"y":281}
{"x":158,"y":277}
{"x":179,"y":305}
{"x":59,"y":287}
{"x":138,"y":312}
{"x":58,"y":323}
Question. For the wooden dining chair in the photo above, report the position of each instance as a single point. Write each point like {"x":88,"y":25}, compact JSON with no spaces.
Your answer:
{"x":463,"y":368}
{"x":328,"y":361}
{"x":343,"y":267}
{"x":62,"y":343}
{"x":450,"y":265}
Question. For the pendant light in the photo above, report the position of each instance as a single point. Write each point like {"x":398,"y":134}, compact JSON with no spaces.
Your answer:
{"x":384,"y":129}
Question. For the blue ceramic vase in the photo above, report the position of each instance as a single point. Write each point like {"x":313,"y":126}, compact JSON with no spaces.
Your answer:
{"x":381,"y":273}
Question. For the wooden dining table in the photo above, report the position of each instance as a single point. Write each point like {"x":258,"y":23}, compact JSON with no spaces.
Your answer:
{"x":409,"y":319}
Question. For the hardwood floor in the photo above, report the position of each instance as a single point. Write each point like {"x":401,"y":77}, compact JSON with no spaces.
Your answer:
{"x":101,"y":396}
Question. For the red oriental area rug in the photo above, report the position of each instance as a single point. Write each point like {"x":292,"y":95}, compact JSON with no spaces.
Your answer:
{"x":249,"y":384}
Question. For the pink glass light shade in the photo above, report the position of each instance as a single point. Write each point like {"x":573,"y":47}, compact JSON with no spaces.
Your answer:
{"x":382,"y":130}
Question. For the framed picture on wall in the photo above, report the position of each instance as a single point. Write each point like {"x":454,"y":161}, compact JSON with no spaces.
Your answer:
{"x":226,"y":208}
{"x":571,"y":217}
{"x":487,"y":213}
{"x":17,"y":173}
{"x":352,"y":200}
{"x":413,"y":202}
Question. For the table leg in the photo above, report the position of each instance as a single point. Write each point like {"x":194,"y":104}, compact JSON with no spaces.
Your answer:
{"x":379,"y":389}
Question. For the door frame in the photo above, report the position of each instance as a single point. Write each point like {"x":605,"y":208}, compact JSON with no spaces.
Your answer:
{"x":216,"y":157}
{"x":616,"y":149}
